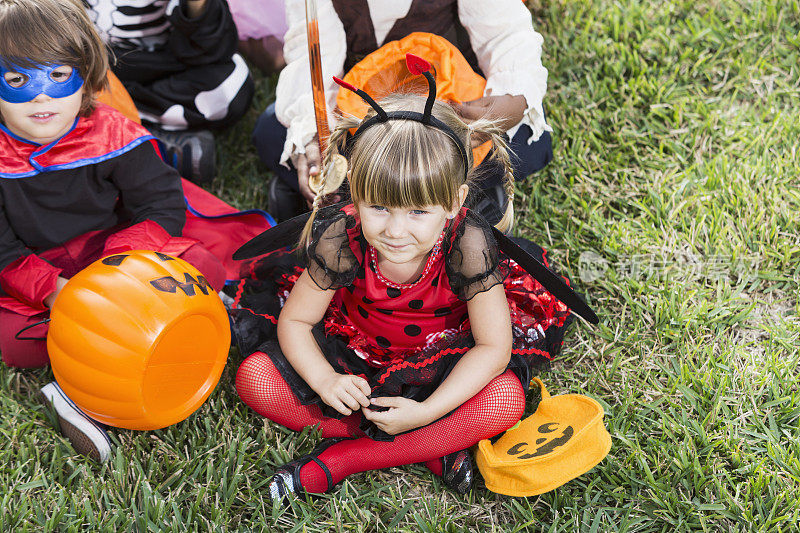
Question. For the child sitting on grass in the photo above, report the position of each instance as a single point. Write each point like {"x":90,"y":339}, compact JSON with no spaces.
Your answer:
{"x":78,"y":181}
{"x":496,"y":38}
{"x":178,"y":61}
{"x":406,"y":336}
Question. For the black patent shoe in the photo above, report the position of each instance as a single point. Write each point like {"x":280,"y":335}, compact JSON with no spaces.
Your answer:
{"x":286,"y":480}
{"x":458,"y":471}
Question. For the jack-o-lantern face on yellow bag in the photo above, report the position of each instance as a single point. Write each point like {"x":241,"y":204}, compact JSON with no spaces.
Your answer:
{"x":564,"y":438}
{"x":552,"y":436}
{"x":138,"y":340}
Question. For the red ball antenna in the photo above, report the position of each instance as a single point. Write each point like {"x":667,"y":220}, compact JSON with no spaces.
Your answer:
{"x":416,"y":65}
{"x":364,"y":96}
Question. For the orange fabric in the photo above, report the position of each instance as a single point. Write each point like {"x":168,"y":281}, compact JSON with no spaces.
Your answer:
{"x":117,"y":97}
{"x":384,"y":72}
{"x":563,"y":439}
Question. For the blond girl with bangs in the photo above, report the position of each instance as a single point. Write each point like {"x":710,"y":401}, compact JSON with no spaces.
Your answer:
{"x":404,"y":333}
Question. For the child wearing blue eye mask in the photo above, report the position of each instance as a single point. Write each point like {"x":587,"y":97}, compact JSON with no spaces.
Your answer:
{"x":40,"y":103}
{"x":25,"y":84}
{"x":78,"y":181}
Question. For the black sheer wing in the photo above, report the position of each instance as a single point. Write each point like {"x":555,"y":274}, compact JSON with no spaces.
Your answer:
{"x":554,"y":283}
{"x":473,"y":264}
{"x":287,"y":233}
{"x":331,"y":262}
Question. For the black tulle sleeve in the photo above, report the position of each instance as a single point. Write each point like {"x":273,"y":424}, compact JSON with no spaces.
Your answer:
{"x":331,"y":262}
{"x":473,"y":264}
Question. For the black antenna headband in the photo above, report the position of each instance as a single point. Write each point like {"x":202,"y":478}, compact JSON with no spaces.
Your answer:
{"x":416,"y":65}
{"x":418,"y":117}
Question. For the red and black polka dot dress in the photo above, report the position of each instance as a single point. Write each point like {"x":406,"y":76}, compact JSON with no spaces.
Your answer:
{"x":403,"y":338}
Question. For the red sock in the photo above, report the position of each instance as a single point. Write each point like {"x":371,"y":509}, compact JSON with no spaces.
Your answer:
{"x":494,"y":409}
{"x":262,"y":387}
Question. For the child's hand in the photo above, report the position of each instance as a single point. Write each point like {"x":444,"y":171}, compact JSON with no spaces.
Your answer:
{"x":506,"y":108}
{"x":345,"y":392}
{"x":307,"y":164}
{"x":403,"y":414}
{"x":60,"y":282}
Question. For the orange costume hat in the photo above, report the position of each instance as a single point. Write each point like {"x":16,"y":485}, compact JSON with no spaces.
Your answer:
{"x":385,"y":71}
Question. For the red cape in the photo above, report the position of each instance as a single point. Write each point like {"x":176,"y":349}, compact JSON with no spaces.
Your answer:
{"x":103,"y":135}
{"x":221,"y":228}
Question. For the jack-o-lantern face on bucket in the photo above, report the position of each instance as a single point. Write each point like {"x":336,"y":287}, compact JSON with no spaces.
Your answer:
{"x":168,"y":283}
{"x":138,"y":340}
{"x":549,"y":437}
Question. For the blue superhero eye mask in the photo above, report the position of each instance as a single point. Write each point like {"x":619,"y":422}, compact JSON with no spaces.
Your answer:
{"x":38,"y":82}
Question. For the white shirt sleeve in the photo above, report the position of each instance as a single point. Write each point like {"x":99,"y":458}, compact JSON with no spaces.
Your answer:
{"x":294,"y":104}
{"x":509,"y":52}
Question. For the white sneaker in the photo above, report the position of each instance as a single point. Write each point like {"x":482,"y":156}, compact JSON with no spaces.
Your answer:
{"x":86,"y":435}
{"x":227,"y":301}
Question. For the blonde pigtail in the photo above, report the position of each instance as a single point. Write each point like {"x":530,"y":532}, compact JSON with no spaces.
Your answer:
{"x":490,"y":130}
{"x":336,"y":141}
{"x":502,"y":155}
{"x":305,"y":236}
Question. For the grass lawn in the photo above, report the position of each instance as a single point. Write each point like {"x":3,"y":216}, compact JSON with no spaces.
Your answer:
{"x":672,"y":202}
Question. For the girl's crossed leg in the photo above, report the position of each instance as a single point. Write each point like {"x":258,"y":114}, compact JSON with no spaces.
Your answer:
{"x":492,"y":410}
{"x":261,"y":386}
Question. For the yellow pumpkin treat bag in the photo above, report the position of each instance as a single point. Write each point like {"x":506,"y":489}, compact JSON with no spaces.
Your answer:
{"x":563,"y":439}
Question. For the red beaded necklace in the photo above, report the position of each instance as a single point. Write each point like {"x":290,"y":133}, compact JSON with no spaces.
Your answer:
{"x":428,"y":264}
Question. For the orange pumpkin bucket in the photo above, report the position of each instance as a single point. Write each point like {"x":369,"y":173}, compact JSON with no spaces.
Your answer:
{"x":384,"y":72}
{"x":138,"y":340}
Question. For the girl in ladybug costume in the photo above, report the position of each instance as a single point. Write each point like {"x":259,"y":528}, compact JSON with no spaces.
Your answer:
{"x":405,"y":333}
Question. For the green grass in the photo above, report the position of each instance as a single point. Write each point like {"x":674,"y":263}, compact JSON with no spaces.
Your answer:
{"x":677,"y":151}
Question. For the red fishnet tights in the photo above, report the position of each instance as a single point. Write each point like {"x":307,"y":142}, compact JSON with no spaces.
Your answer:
{"x":262,"y":387}
{"x":494,"y":409}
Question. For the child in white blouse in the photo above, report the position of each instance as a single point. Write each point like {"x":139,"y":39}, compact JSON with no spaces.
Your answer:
{"x":497,"y":39}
